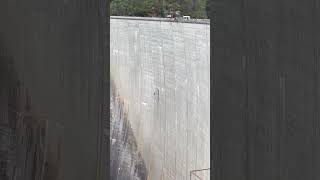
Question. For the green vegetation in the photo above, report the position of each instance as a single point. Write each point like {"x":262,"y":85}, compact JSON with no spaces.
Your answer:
{"x":159,"y":8}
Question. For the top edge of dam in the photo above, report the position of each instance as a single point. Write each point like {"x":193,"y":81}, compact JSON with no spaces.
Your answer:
{"x":193,"y":21}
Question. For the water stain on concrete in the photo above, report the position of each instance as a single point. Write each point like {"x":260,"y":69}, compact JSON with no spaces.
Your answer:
{"x":126,"y":161}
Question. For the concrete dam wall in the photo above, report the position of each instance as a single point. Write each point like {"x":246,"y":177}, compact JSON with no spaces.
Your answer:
{"x":161,"y":77}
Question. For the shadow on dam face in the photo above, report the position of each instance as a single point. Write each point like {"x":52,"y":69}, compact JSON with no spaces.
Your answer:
{"x":125,"y":159}
{"x":30,"y":144}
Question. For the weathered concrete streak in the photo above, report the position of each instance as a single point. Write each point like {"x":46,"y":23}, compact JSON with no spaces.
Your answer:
{"x":162,"y":70}
{"x":125,"y":158}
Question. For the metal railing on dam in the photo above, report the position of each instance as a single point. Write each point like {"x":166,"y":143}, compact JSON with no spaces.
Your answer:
{"x":195,"y":21}
{"x":161,"y":73}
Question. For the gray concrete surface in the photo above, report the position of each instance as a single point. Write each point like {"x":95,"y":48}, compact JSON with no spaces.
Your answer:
{"x":161,"y":71}
{"x":125,"y":159}
{"x":58,"y":54}
{"x":266,"y":90}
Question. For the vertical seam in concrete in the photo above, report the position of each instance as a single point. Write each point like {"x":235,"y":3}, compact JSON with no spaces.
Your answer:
{"x":246,"y":108}
{"x":187,"y":113}
{"x":315,"y":91}
{"x":282,"y":133}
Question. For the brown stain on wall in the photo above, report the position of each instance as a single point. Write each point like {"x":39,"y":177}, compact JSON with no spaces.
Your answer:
{"x":126,"y":159}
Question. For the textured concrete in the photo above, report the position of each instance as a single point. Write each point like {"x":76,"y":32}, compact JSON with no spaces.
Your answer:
{"x":125,"y":158}
{"x":266,"y":90}
{"x":161,"y":71}
{"x":55,"y":50}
